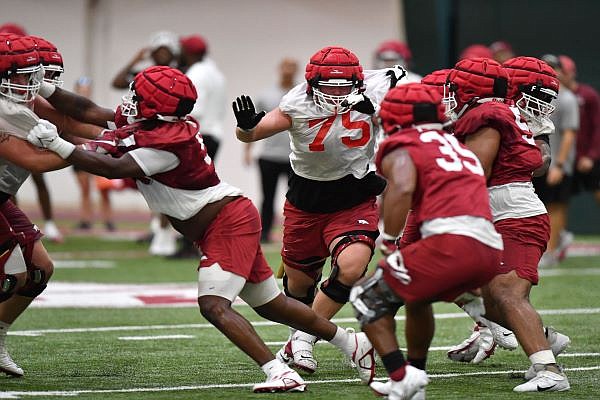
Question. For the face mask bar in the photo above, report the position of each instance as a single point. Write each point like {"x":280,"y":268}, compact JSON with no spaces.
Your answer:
{"x":31,"y":78}
{"x":332,"y":103}
{"x":129,"y":104}
{"x":52,"y":74}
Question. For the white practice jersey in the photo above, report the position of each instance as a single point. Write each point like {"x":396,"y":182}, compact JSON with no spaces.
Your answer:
{"x":329,"y":147}
{"x":11,"y":175}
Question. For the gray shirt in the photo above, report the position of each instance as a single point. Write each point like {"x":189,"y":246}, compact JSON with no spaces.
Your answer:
{"x":277,"y":147}
{"x":566,"y":116}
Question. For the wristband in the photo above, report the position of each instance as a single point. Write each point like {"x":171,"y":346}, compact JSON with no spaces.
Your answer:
{"x":61,"y":147}
{"x":46,"y":89}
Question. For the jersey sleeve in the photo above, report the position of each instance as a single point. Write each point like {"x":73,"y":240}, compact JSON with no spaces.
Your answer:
{"x":293,"y":101}
{"x":154,"y":161}
{"x":388,"y":145}
{"x":377,"y":84}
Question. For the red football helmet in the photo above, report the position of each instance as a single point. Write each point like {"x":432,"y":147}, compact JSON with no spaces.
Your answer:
{"x":473,"y":80}
{"x":533,"y":86}
{"x":476,"y":51}
{"x":437,"y":79}
{"x":411,"y":104}
{"x":20,"y":68}
{"x":333,"y":74}
{"x":392,"y":52}
{"x":159,"y":91}
{"x":51,"y":61}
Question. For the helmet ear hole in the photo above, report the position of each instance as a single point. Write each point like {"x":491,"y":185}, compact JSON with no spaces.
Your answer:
{"x":184,"y":107}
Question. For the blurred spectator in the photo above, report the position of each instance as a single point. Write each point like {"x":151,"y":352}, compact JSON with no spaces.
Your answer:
{"x":83,"y":86}
{"x":395,"y":52}
{"x":163,"y":49}
{"x":475,"y":51}
{"x":211,"y":106}
{"x":502,"y":51}
{"x":50,"y":229}
{"x":554,"y":188}
{"x":587,"y":174}
{"x":274,"y":157}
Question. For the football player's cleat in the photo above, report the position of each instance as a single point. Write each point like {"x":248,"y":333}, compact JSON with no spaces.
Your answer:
{"x":298,"y":353}
{"x":547,"y":379}
{"x":7,"y":365}
{"x":163,"y":243}
{"x":362,"y":356}
{"x":476,"y":348}
{"x":286,"y":380}
{"x":558,"y":343}
{"x":411,"y":387}
{"x":52,"y":233}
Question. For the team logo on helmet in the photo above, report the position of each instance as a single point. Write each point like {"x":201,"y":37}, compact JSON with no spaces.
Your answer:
{"x":332,"y":74}
{"x":159,"y":91}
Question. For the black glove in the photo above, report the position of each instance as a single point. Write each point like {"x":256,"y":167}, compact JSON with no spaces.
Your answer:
{"x":396,"y":73}
{"x":360,"y":103}
{"x":245,"y":113}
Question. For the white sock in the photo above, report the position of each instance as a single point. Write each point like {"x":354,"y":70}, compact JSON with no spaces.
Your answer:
{"x":542,"y":357}
{"x":272,"y":366}
{"x":3,"y":331}
{"x":340,"y":339}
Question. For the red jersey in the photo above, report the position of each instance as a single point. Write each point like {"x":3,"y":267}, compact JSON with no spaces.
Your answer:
{"x":588,"y":136}
{"x":518,"y":156}
{"x":195,"y":171}
{"x":450,"y":179}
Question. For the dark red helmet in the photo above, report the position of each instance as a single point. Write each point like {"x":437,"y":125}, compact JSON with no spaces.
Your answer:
{"x":411,"y":104}
{"x":391,"y":50}
{"x":20,"y":68}
{"x":473,"y":79}
{"x":437,"y":79}
{"x":50,"y":59}
{"x":159,"y":91}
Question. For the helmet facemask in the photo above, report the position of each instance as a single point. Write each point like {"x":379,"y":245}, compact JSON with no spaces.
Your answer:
{"x":129,"y":103}
{"x":535,"y":104}
{"x":23,"y":84}
{"x":449,"y":101}
{"x":52,"y":74}
{"x":329,"y":95}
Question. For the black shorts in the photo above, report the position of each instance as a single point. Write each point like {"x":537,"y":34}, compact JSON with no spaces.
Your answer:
{"x":589,"y":182}
{"x":560,"y":193}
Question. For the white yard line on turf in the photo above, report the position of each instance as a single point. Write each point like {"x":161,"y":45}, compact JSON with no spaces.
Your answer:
{"x":157,"y":337}
{"x":38,"y":332}
{"x":70,"y":393}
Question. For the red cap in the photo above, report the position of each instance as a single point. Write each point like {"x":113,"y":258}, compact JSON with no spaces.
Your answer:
{"x":193,"y":44}
{"x":567,"y":64}
{"x":476,"y":51}
{"x":9,"y":27}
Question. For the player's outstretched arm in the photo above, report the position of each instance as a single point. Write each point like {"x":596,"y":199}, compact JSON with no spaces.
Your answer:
{"x":253,"y":126}
{"x":65,"y":124}
{"x":29,"y":157}
{"x":485,"y":144}
{"x":78,"y":107}
{"x":397,"y":167}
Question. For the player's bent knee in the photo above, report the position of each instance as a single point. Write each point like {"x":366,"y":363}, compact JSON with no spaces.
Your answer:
{"x":372,"y":299}
{"x":213,"y":308}
{"x":308,"y":298}
{"x":10,"y":284}
{"x":336,"y":290}
{"x":37,"y":280}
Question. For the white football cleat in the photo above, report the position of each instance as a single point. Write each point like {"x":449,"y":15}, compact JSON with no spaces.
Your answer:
{"x":287,"y":380}
{"x":558,"y":343}
{"x":298,"y":353}
{"x":363,"y":356}
{"x":164,"y":242}
{"x":7,"y":365}
{"x":412,"y":387}
{"x":545,"y":380}
{"x":476,"y":348}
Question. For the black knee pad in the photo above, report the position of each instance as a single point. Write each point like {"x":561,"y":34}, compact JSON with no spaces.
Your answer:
{"x":35,"y":285}
{"x":310,"y":295}
{"x":8,"y":283}
{"x":336,"y":290}
{"x":372,"y":298}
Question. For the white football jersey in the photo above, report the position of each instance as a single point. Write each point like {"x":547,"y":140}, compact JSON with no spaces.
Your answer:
{"x":327,"y":147}
{"x":11,"y":175}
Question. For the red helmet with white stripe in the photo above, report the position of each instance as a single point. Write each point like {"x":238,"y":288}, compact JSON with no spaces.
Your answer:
{"x":20,"y":70}
{"x":51,"y":61}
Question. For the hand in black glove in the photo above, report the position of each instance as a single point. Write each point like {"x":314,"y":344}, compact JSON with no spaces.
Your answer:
{"x":360,"y":103}
{"x":245,"y":113}
{"x":396,"y":73}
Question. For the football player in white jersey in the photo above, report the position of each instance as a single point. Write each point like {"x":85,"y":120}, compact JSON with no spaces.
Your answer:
{"x":160,"y":146}
{"x":330,"y":208}
{"x":25,"y":266}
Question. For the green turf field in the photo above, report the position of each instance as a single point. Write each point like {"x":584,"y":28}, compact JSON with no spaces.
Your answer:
{"x":81,"y":352}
